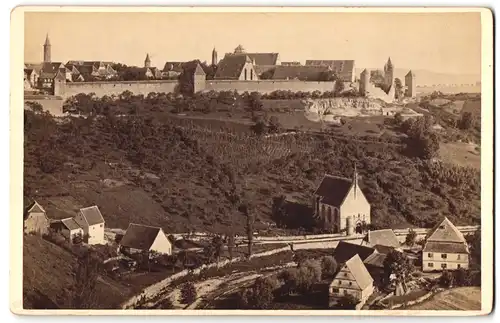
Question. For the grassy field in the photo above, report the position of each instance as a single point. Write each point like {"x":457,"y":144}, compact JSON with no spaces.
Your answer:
{"x":458,"y":299}
{"x":461,"y":154}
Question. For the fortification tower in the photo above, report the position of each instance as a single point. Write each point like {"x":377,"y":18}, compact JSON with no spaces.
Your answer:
{"x":411,"y":85}
{"x":147,"y":61}
{"x":363,"y":82}
{"x":46,"y":50}
{"x":214,"y":57}
{"x":388,"y":73}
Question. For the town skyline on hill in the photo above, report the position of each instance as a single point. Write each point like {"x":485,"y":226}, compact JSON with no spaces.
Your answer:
{"x":445,"y":43}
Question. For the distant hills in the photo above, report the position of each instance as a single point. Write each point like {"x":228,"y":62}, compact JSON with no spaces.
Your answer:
{"x":425,"y":77}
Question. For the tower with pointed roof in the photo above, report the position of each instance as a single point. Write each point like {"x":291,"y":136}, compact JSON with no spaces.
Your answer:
{"x":411,"y":85}
{"x":239,"y":50}
{"x":214,"y":57}
{"x":389,"y":73}
{"x":147,"y":61}
{"x":47,"y":50}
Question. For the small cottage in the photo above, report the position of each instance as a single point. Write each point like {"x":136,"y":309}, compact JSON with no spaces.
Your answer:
{"x":143,"y":238}
{"x":35,"y":219}
{"x":91,"y":221}
{"x":68,"y":228}
{"x":352,"y":279}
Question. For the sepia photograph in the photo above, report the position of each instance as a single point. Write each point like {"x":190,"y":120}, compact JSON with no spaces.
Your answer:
{"x":263,"y":160}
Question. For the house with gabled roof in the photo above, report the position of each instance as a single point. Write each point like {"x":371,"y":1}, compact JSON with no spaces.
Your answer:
{"x":445,"y":248}
{"x":384,"y":237}
{"x":352,"y":279}
{"x":143,"y":238}
{"x":301,"y":73}
{"x":344,"y":69}
{"x":92,"y":222}
{"x":69,"y":228}
{"x":35,"y":219}
{"x":257,"y":58}
{"x":340,"y":204}
{"x":371,"y":257}
{"x":236,"y":67}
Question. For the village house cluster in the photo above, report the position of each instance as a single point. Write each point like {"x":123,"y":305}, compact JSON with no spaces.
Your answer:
{"x":88,"y":225}
{"x":362,"y":265}
{"x":240,"y":65}
{"x":339,"y":204}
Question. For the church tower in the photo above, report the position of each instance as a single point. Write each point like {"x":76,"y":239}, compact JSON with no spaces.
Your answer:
{"x":389,"y":73}
{"x":214,"y":57}
{"x":46,"y":50}
{"x":147,"y":61}
{"x":239,"y":50}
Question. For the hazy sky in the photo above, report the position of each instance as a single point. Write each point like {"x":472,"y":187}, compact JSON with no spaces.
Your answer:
{"x":439,"y":42}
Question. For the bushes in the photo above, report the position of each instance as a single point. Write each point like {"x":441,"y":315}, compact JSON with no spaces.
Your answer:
{"x":410,"y":238}
{"x":188,"y":293}
{"x":446,"y":279}
{"x":260,"y":295}
{"x":329,"y":267}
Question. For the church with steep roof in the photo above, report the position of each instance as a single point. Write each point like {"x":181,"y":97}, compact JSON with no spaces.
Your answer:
{"x":340,"y":204}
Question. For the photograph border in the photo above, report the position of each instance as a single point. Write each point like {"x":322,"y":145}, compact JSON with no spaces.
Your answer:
{"x":16,"y":159}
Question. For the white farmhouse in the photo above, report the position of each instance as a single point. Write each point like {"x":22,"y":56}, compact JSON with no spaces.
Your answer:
{"x":91,"y":221}
{"x":144,"y":238}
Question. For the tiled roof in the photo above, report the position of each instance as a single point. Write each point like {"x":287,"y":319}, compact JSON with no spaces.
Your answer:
{"x":261,"y":58}
{"x":140,"y":236}
{"x":230,"y":67}
{"x":385,"y":237}
{"x":446,"y":247}
{"x":335,"y":65}
{"x":376,"y":259}
{"x":92,"y":215}
{"x":302,"y":73}
{"x":259,"y":69}
{"x":179,"y":67}
{"x":345,"y":251}
{"x":290,"y":63}
{"x":35,"y":207}
{"x":174,"y":67}
{"x":447,"y":232}
{"x":359,"y":272}
{"x":70,"y":223}
{"x":383,"y":249}
{"x":333,"y":189}
{"x":343,"y":68}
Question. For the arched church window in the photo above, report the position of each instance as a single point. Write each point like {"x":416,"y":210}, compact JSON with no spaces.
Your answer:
{"x":329,"y":215}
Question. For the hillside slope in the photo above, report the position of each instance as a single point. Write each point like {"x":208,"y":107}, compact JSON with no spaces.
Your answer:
{"x":42,"y":262}
{"x":184,"y":177}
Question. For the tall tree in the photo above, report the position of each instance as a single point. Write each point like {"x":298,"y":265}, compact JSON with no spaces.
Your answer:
{"x":83,"y":294}
{"x":398,"y":264}
{"x":398,"y":88}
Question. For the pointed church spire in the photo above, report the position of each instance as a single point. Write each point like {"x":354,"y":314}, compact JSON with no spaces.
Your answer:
{"x":147,"y":61}
{"x":47,"y":40}
{"x":389,"y":62}
{"x":47,"y":50}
